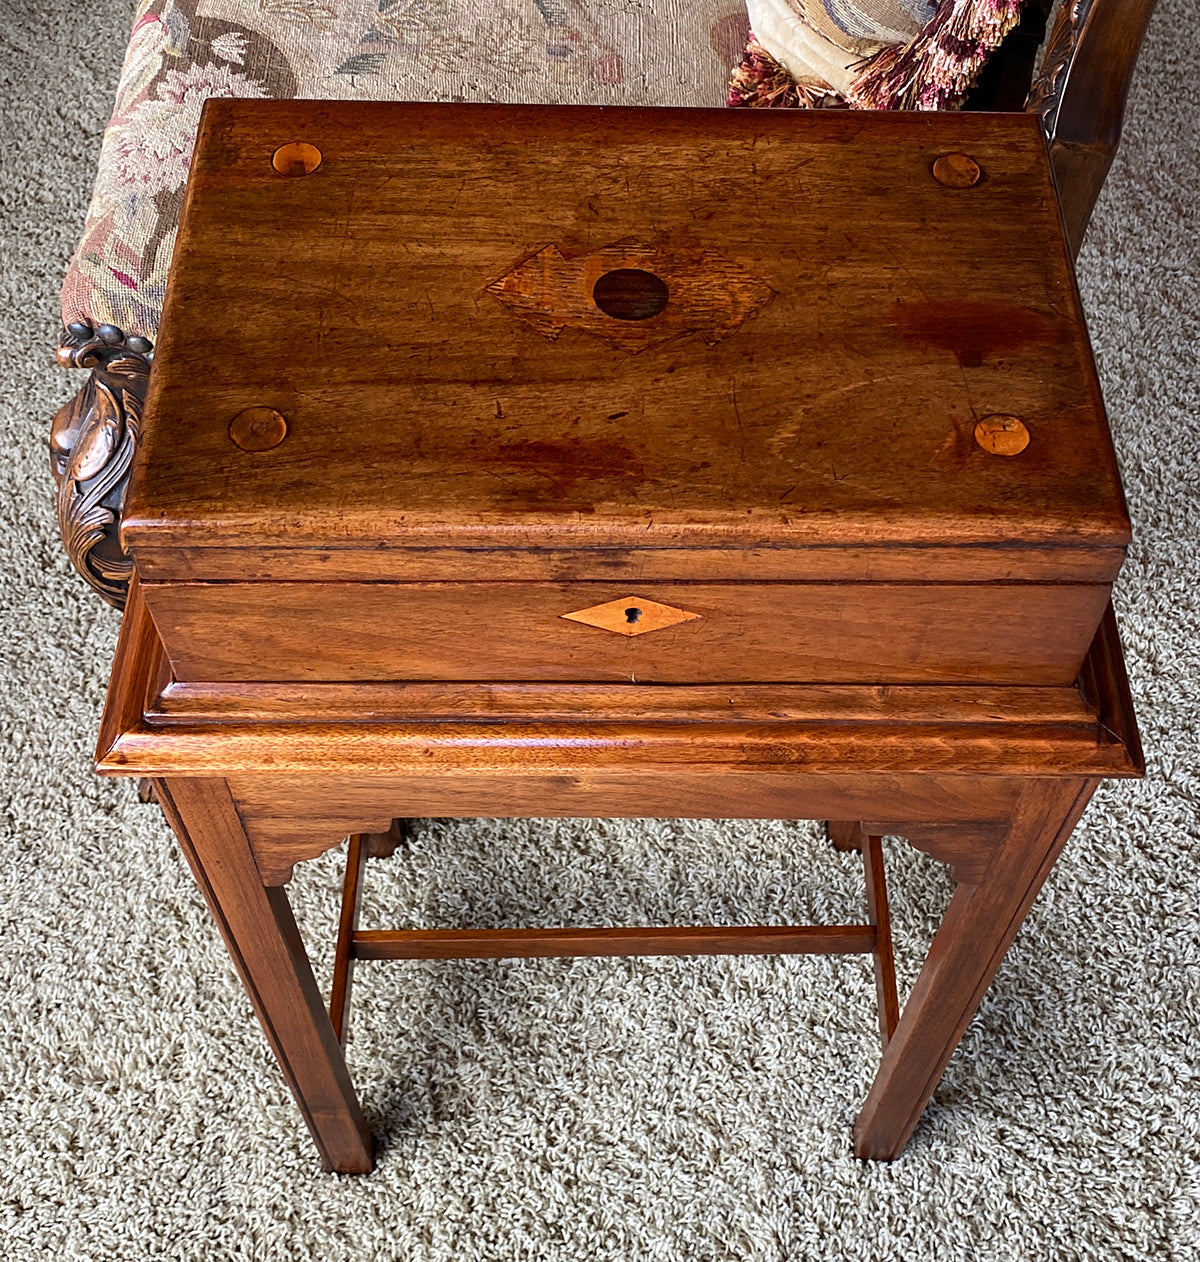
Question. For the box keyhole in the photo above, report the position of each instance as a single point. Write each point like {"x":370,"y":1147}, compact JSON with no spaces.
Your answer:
{"x":629,"y":293}
{"x":632,"y":614}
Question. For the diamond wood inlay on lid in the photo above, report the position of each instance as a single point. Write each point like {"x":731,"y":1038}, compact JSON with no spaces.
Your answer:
{"x":632,"y":615}
{"x":699,"y":291}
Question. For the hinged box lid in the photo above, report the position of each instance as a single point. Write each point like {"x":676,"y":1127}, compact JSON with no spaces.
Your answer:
{"x":453,"y":341}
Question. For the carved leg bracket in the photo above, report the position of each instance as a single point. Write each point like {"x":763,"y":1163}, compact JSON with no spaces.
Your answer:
{"x":92,"y":442}
{"x":844,"y":835}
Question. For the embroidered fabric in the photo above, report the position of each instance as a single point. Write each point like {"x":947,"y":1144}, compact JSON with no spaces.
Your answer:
{"x":181,"y":52}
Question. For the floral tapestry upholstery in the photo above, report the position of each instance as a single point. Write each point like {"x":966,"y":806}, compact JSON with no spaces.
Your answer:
{"x":674,"y":52}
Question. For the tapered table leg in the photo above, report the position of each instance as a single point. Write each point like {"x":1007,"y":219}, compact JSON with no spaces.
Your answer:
{"x":967,"y":949}
{"x":258,"y":927}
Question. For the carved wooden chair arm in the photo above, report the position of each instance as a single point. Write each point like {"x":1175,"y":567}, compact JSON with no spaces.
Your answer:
{"x":1081,"y":93}
{"x":92,"y":442}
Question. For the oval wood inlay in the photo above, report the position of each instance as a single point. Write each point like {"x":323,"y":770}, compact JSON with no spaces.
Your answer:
{"x":957,"y":170}
{"x":1002,"y":435}
{"x":297,"y":158}
{"x":258,"y":429}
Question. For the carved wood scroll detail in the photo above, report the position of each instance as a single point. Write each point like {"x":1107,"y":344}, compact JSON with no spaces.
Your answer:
{"x":1080,"y":95}
{"x":278,"y":845}
{"x":1046,"y":92}
{"x":92,"y":442}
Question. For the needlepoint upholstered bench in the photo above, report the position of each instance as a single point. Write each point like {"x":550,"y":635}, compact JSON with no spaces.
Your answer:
{"x":671,"y":53}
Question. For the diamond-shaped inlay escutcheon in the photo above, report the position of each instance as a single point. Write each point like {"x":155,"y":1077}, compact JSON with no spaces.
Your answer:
{"x":632,"y":615}
{"x":632,"y":295}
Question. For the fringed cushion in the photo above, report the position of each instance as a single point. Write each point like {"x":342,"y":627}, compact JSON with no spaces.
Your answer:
{"x":676,"y":52}
{"x":868,"y":54}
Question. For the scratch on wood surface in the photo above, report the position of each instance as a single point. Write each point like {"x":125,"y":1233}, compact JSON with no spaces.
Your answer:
{"x":741,"y":427}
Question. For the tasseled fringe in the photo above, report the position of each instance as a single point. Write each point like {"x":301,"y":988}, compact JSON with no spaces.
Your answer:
{"x":761,"y":82}
{"x":935,"y":71}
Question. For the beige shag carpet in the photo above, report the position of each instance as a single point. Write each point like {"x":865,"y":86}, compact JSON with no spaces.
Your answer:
{"x":594,"y":1109}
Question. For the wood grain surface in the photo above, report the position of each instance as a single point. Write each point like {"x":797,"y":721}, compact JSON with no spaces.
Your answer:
{"x":356,"y":303}
{"x":309,"y":763}
{"x":498,"y":944}
{"x":790,"y":633}
{"x":966,"y":951}
{"x":519,"y":362}
{"x":264,"y":942}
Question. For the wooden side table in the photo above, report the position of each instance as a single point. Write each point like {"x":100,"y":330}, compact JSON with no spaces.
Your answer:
{"x":622,"y":463}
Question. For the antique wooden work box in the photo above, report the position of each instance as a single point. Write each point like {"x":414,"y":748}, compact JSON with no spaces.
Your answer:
{"x":532,"y":461}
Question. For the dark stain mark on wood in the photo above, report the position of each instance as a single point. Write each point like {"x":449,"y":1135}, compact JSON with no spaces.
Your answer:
{"x":567,"y":463}
{"x":974,"y":331}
